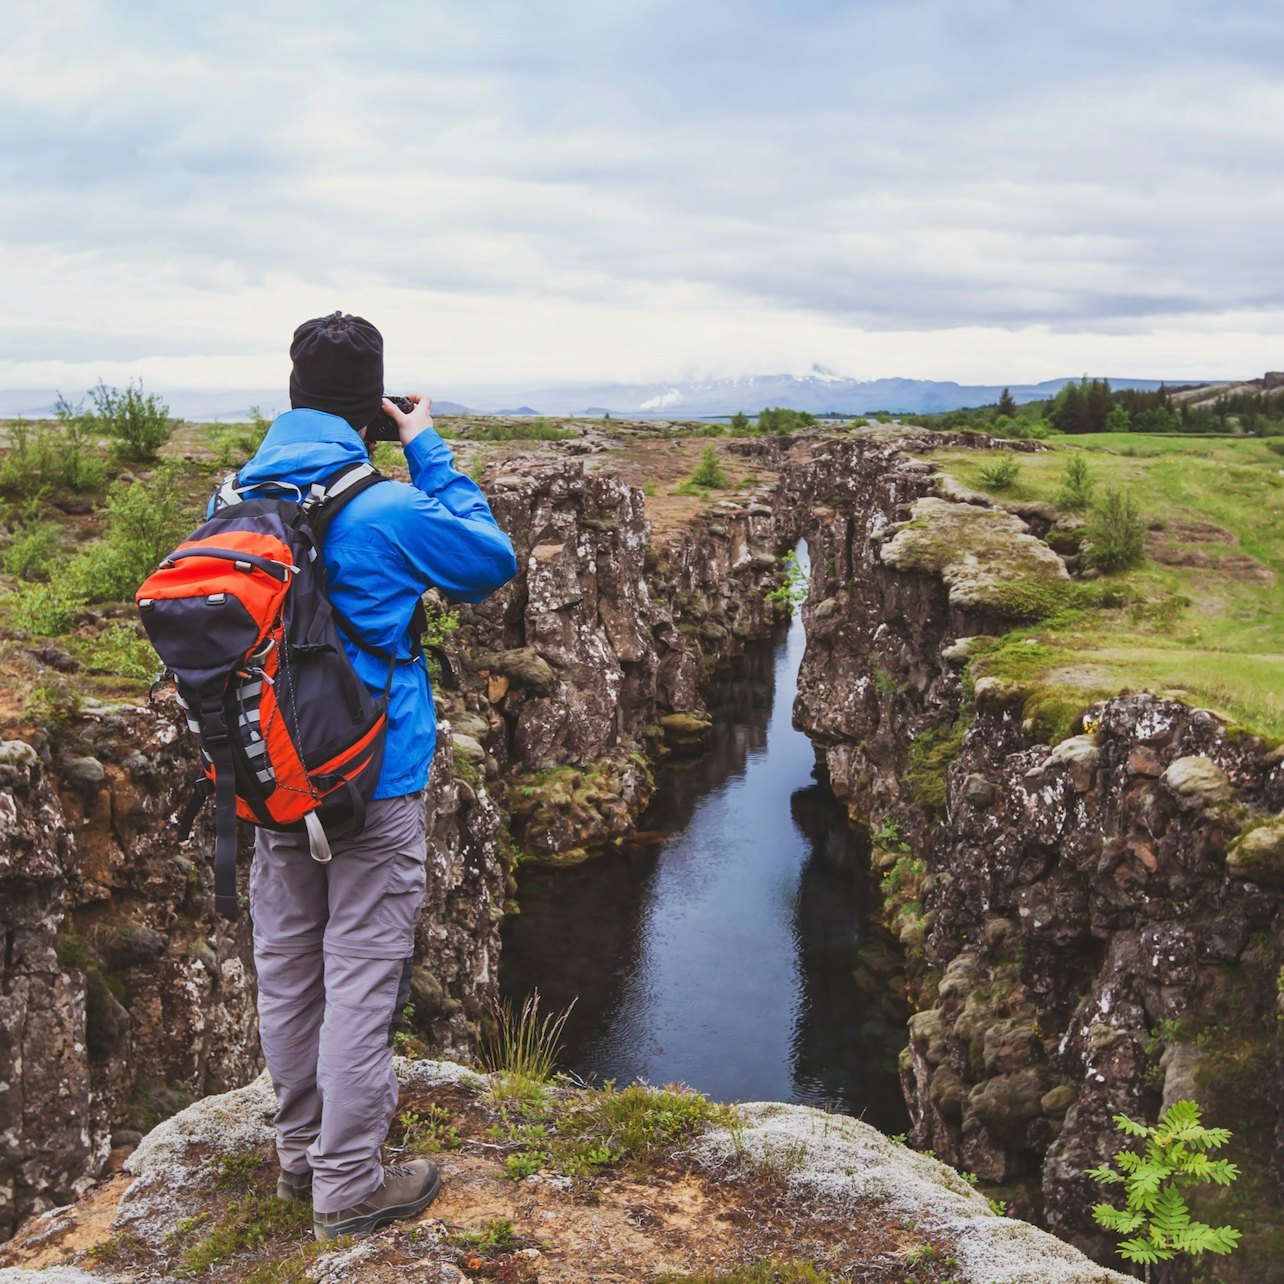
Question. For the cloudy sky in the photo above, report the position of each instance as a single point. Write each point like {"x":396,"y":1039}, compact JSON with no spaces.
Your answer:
{"x":558,"y":190}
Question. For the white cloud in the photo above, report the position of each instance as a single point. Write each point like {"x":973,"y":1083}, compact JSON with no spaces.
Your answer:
{"x":988,"y":189}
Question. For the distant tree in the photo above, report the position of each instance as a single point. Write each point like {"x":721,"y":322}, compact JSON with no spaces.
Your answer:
{"x":1007,"y":405}
{"x":739,"y":421}
{"x":1069,"y":411}
{"x":1118,"y":419}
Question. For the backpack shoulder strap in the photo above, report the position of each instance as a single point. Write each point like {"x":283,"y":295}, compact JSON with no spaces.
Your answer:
{"x":325,"y":499}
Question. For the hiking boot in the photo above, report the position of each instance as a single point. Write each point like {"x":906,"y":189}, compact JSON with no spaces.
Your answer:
{"x":295,"y":1186}
{"x":407,"y":1189}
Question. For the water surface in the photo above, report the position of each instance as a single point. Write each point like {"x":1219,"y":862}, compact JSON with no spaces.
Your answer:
{"x":724,"y":953}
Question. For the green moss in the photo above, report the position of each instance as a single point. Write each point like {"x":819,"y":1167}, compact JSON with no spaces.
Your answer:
{"x":1203,"y":618}
{"x":70,"y":951}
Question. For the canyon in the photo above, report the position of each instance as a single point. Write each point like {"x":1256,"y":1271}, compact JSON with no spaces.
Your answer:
{"x":1089,"y":922}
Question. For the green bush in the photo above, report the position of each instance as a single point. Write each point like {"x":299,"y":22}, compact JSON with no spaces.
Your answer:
{"x":46,"y":609}
{"x":119,"y":650}
{"x":140,"y":424}
{"x":708,"y":474}
{"x":521,"y":430}
{"x":235,"y":443}
{"x":782,"y":420}
{"x":1077,"y":485}
{"x":46,"y":457}
{"x":1156,"y":1217}
{"x":1114,"y":534}
{"x":30,"y":553}
{"x":142,"y":523}
{"x":1003,"y":474}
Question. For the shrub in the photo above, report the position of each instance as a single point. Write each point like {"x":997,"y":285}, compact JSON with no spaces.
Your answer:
{"x":1077,"y":485}
{"x":1156,"y":1217}
{"x":792,"y":590}
{"x":708,"y":474}
{"x":119,"y":650}
{"x":31,"y":551}
{"x":47,"y":457}
{"x":236,"y":443}
{"x":140,"y":424}
{"x":520,"y":430}
{"x":782,"y":420}
{"x":1002,"y":474}
{"x":46,"y":609}
{"x":142,"y":524}
{"x":1114,"y":534}
{"x":739,"y":422}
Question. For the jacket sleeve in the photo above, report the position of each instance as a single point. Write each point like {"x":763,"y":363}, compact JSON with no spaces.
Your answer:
{"x":453,"y":541}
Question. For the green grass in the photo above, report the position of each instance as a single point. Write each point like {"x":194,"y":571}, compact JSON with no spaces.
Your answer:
{"x":1211,"y":633}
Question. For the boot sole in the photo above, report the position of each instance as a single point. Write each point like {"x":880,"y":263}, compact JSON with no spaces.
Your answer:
{"x":369,"y":1221}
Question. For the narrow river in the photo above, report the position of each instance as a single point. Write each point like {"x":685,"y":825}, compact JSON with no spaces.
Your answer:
{"x":723,"y":949}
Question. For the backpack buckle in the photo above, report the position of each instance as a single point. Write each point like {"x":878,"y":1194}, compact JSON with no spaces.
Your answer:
{"x":213,"y":724}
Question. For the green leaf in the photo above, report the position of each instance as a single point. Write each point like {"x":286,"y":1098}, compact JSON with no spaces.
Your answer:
{"x":1104,"y":1174}
{"x":1131,"y":1127}
{"x":1170,"y":1215}
{"x":1142,"y":1250}
{"x":1223,"y":1172}
{"x":1116,"y":1219}
{"x":1222,"y":1240}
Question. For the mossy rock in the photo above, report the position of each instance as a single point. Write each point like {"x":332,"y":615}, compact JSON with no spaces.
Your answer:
{"x":685,"y":730}
{"x":522,"y":665}
{"x":1259,"y":855}
{"x":987,"y":557}
{"x":1197,"y":782}
{"x":1008,"y":1102}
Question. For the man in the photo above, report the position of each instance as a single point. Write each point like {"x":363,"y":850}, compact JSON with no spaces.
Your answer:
{"x":333,"y":942}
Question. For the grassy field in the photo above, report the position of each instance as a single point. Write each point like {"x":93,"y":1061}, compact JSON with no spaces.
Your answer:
{"x":1202,"y":618}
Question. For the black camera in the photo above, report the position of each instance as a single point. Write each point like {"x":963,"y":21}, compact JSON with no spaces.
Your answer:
{"x":381,"y":427}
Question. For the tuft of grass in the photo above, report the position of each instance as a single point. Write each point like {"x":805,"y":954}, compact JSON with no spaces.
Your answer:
{"x":247,"y":1224}
{"x":523,"y":1050}
{"x":498,"y":1237}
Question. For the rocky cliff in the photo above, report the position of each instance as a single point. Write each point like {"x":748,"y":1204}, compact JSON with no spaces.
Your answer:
{"x":122,"y":996}
{"x":1091,"y":924}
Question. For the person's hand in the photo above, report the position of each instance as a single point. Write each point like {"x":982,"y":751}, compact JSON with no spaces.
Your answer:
{"x":410,"y":426}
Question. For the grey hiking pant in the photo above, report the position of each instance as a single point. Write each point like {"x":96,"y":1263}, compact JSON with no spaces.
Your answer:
{"x":333,"y":946}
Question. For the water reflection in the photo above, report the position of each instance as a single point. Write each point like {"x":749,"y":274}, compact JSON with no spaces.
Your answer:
{"x":723,"y":953}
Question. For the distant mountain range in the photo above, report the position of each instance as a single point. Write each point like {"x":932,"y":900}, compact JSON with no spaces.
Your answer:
{"x":819,"y":392}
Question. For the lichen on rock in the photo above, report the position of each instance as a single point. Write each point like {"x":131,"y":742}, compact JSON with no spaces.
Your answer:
{"x":982,"y":554}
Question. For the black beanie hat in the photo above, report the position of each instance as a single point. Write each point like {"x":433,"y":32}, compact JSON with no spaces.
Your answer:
{"x":338,"y":368}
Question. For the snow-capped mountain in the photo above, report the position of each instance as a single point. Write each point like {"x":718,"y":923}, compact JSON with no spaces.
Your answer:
{"x":821,"y":392}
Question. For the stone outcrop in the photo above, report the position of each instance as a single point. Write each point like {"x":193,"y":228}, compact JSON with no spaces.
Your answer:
{"x":773,"y":1182}
{"x":593,"y":658}
{"x":122,"y":996}
{"x":1076,"y":916}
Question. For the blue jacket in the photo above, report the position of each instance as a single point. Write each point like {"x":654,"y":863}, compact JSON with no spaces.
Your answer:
{"x":382,"y":551}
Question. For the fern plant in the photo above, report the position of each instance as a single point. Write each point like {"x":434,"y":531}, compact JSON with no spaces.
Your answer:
{"x":1156,"y":1219}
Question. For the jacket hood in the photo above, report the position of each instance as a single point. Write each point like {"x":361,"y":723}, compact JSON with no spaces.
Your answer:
{"x":303,"y":447}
